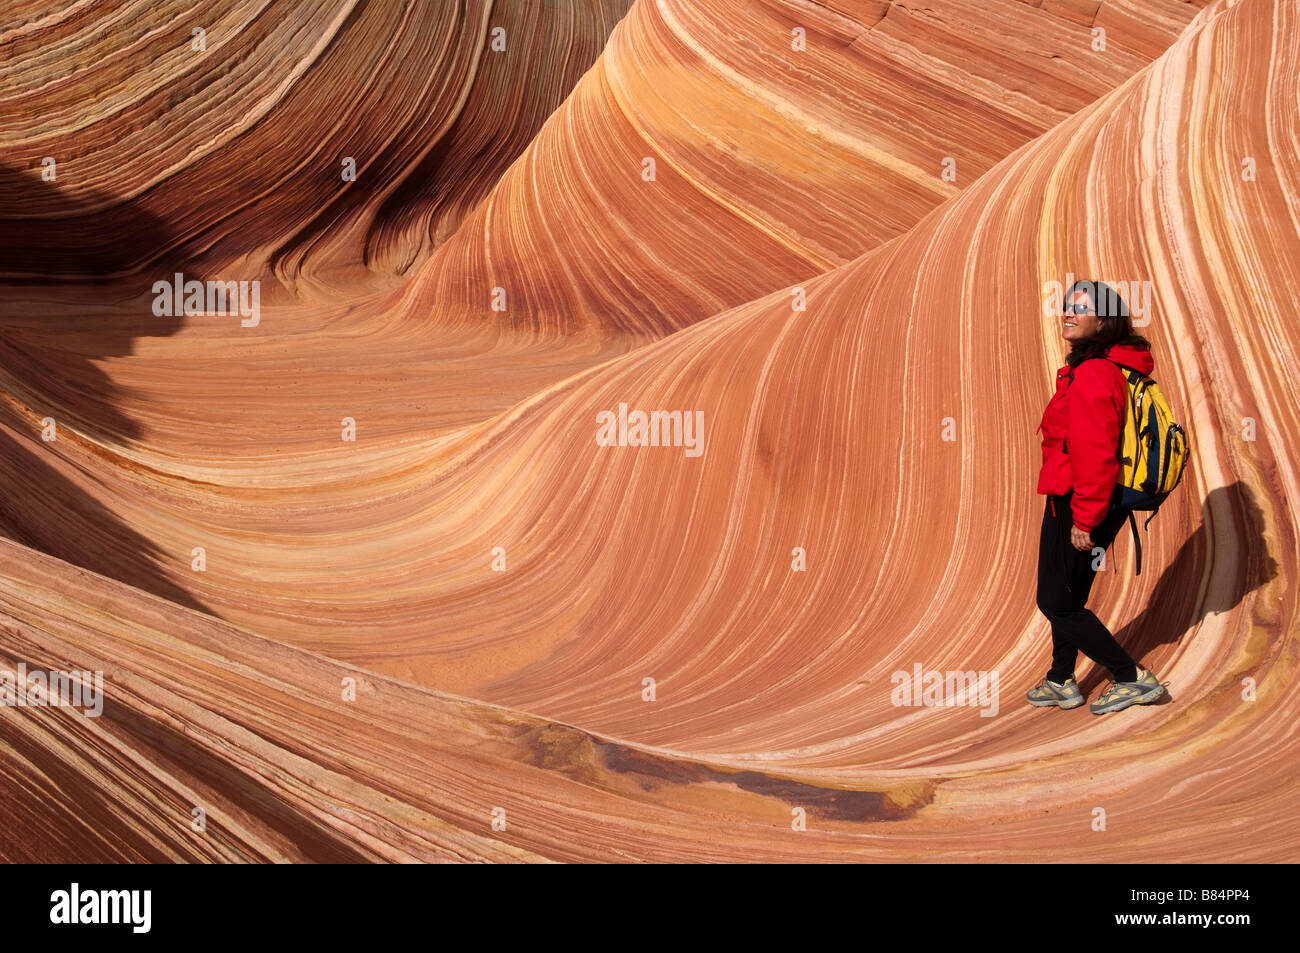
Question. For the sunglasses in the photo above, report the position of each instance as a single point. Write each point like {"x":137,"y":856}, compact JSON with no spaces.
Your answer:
{"x":1078,"y":308}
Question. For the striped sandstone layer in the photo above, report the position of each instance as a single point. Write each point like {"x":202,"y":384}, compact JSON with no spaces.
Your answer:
{"x":822,"y":431}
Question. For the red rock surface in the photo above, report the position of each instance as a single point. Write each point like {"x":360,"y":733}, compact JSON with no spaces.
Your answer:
{"x":523,"y":689}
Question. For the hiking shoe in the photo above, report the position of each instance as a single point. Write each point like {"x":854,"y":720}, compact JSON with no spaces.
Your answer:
{"x":1122,"y":694}
{"x":1049,"y":693}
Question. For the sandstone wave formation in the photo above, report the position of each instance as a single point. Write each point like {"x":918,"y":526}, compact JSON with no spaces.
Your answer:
{"x":363,"y":582}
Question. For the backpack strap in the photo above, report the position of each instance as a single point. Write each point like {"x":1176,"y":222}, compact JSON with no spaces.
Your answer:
{"x":1137,"y":541}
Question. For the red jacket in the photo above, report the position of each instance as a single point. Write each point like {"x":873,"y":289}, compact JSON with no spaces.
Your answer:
{"x":1081,"y":428}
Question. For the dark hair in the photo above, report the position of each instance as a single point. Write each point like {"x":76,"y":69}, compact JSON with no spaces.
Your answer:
{"x":1116,"y":327}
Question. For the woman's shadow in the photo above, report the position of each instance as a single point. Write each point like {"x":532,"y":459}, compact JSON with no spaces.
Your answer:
{"x":1173,"y":606}
{"x":76,"y":274}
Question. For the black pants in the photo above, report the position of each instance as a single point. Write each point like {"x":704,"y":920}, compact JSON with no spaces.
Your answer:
{"x":1065,"y":577}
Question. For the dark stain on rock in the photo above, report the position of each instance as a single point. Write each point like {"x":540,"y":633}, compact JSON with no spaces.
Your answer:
{"x":840,"y":804}
{"x":562,"y":748}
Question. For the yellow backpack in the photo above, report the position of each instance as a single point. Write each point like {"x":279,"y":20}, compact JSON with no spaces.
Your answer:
{"x":1153,"y":451}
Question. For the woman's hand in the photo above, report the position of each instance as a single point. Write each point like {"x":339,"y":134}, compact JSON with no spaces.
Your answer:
{"x":1081,"y":539}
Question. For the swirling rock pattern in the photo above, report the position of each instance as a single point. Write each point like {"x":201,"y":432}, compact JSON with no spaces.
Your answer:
{"x":771,"y":165}
{"x":501,"y":587}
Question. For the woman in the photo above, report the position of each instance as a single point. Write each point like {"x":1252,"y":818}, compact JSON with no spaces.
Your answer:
{"x":1080,"y":476}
